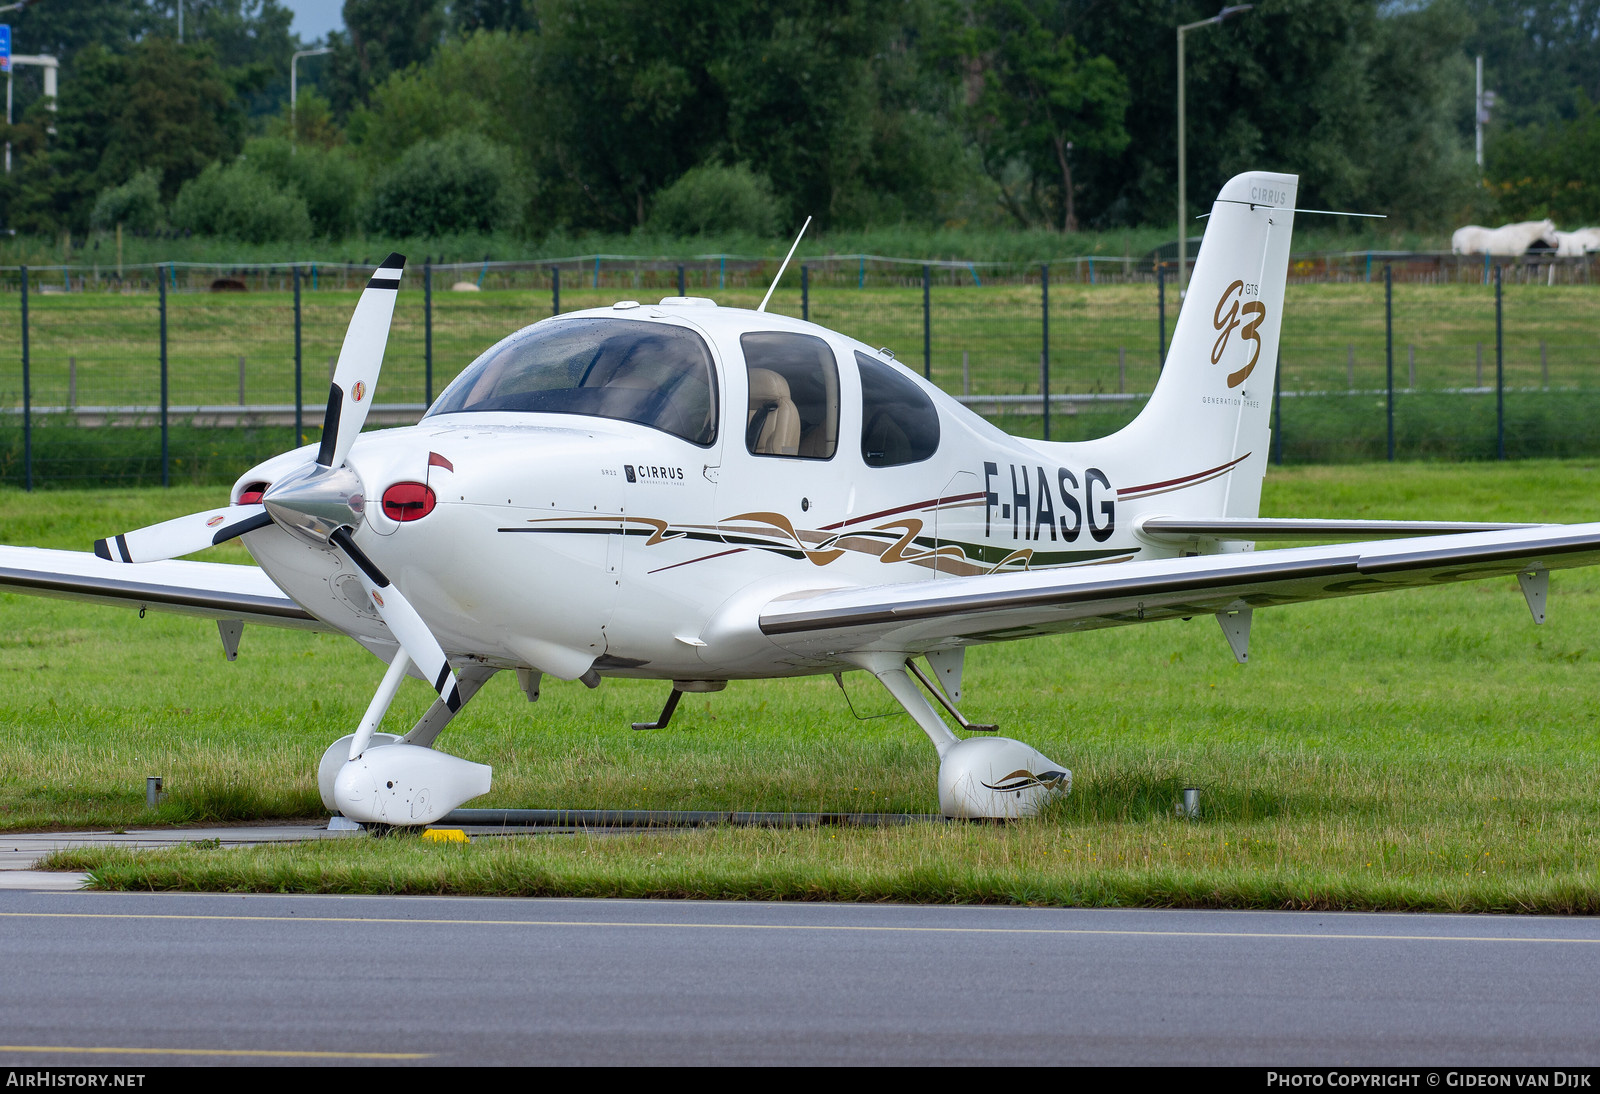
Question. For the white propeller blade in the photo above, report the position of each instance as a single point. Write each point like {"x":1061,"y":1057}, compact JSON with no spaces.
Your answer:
{"x":360,"y":360}
{"x":183,"y":536}
{"x":409,"y":629}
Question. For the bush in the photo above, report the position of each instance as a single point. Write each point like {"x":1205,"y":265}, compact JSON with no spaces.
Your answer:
{"x":712,"y":198}
{"x":328,"y":179}
{"x":238,"y":202}
{"x":136,"y":204}
{"x":459,"y":183}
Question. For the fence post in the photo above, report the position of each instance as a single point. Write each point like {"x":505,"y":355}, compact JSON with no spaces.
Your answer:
{"x":166,"y":478}
{"x":680,"y":280}
{"x":555,"y":290}
{"x":1161,"y":317}
{"x":805,"y":291}
{"x":927,"y":329}
{"x":427,"y":331}
{"x":1499,"y":375}
{"x":1388,"y":347}
{"x":299,"y":424}
{"x":1044,"y":352}
{"x":27,"y":390}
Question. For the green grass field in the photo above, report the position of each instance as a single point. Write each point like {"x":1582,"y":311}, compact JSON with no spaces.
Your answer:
{"x":1424,"y":749}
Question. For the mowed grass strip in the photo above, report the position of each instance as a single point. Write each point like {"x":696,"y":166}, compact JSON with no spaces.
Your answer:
{"x":1426,"y":749}
{"x":1160,"y":862}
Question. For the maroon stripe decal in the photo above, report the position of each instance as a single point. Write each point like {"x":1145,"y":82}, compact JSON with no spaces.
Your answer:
{"x":1185,"y":479}
{"x":1169,"y":489}
{"x":902,"y":509}
{"x":692,"y":561}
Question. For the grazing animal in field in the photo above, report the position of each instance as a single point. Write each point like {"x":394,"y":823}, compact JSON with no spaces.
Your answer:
{"x":1468,"y":240}
{"x":1580,"y":241}
{"x":1507,"y":240}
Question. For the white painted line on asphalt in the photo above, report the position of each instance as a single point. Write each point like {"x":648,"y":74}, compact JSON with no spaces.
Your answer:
{"x":1063,"y":931}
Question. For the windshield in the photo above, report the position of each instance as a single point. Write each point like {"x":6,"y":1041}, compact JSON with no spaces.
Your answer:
{"x":651,"y":373}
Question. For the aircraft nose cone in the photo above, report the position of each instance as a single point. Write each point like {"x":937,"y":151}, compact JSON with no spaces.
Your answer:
{"x":315,"y":501}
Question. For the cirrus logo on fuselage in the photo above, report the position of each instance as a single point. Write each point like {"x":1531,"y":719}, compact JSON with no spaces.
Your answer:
{"x":649,"y":472}
{"x":1254,"y":312}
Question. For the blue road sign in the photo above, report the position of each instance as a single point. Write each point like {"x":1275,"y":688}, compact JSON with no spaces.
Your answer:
{"x":5,"y":48}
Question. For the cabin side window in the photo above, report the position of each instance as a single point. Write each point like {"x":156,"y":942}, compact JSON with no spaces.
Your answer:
{"x":794,"y":396}
{"x":899,"y":424}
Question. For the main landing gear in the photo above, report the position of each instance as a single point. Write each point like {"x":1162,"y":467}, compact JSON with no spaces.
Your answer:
{"x":979,"y":777}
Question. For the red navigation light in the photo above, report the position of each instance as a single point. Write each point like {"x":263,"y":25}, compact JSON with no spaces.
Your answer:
{"x":408,"y":501}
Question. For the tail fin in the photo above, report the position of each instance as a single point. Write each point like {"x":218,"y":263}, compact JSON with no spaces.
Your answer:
{"x":1202,"y":439}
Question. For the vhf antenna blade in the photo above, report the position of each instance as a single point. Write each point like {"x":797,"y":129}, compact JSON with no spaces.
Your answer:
{"x":785,"y":265}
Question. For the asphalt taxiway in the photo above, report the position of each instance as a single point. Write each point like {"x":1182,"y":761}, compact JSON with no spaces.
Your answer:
{"x":131,"y":979}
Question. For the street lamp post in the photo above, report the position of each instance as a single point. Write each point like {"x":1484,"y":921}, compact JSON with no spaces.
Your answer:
{"x":1183,"y":195}
{"x":50,"y":66}
{"x":294,"y":118}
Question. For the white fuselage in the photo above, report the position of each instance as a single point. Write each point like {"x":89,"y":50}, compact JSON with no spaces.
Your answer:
{"x":561,"y":542}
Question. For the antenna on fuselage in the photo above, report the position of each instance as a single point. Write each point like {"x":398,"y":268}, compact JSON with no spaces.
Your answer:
{"x":785,"y":265}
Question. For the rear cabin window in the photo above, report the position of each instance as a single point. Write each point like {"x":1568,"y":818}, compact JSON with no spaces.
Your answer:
{"x":899,"y":424}
{"x":794,"y":396}
{"x":654,"y":374}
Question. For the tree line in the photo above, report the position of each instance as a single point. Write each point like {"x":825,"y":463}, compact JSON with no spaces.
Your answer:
{"x":535,"y":116}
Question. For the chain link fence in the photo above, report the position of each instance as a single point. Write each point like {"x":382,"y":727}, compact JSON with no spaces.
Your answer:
{"x":181,"y":372}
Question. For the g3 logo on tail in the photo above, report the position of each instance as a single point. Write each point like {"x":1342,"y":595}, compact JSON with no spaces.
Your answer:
{"x":1255,"y":311}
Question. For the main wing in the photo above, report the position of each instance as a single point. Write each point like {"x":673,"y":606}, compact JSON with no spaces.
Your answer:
{"x":939,"y":613}
{"x":215,"y":590}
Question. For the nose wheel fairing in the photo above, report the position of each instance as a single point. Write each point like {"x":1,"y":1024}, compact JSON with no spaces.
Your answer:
{"x":403,"y":785}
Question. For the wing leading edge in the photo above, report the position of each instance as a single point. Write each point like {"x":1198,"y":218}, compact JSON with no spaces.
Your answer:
{"x":210,"y":589}
{"x":932,"y":614}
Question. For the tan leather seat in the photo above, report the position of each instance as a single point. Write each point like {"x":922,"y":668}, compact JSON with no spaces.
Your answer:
{"x":772,"y":427}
